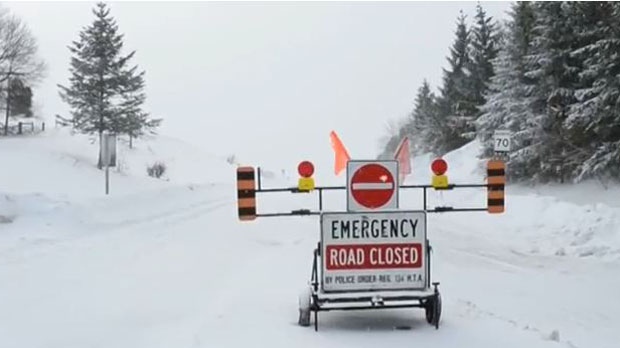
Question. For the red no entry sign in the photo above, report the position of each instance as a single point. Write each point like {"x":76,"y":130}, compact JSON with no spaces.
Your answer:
{"x":372,"y":185}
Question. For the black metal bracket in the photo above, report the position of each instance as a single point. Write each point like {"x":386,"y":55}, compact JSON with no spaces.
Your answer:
{"x":321,"y":189}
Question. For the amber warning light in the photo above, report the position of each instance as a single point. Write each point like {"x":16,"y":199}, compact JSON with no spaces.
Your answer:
{"x":305,"y":170}
{"x":439,"y":168}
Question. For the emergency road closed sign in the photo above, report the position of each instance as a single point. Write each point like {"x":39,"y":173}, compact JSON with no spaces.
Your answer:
{"x":373,"y":251}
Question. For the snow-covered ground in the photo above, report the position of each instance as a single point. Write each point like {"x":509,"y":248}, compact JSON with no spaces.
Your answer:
{"x":166,"y":263}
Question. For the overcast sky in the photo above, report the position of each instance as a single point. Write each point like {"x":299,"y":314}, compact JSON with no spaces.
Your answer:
{"x":267,"y":81}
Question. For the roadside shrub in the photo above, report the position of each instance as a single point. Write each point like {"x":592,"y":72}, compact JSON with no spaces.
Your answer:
{"x":156,"y":170}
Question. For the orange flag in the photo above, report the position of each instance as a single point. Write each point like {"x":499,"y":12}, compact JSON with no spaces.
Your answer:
{"x":404,"y":159}
{"x":341,"y":154}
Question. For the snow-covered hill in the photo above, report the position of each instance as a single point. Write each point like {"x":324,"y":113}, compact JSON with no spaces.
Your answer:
{"x":165,"y":262}
{"x":579,"y":220}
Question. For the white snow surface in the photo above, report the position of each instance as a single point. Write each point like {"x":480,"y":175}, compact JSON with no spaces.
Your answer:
{"x":166,"y":263}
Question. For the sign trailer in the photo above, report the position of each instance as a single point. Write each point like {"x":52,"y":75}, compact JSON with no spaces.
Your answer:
{"x":373,"y":255}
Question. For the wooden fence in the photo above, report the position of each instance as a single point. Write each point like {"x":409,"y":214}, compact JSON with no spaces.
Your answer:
{"x":21,"y":128}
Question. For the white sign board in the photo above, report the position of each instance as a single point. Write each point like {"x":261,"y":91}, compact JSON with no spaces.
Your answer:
{"x":372,"y":185}
{"x":502,"y":140}
{"x":367,"y":251}
{"x":108,"y":149}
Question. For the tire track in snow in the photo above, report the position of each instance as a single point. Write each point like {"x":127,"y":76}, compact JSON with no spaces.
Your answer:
{"x":170,"y":216}
{"x":104,"y":229}
{"x":553,"y":336}
{"x":474,"y":253}
{"x":174,"y":201}
{"x":489,"y":258}
{"x":258,"y":290}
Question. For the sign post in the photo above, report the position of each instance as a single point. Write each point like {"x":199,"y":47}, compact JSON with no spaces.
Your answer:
{"x":372,"y":185}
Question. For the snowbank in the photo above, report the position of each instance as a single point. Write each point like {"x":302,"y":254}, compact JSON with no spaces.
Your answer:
{"x":51,"y":174}
{"x":58,"y":163}
{"x":581,"y":220}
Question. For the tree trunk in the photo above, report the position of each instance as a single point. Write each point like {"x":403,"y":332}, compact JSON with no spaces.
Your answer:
{"x":8,"y":105}
{"x":130,"y":141}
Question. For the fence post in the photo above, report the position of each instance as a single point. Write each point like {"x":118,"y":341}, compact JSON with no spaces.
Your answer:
{"x":19,"y":128}
{"x":43,"y":127}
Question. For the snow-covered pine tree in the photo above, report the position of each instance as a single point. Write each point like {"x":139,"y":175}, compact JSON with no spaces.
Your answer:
{"x":507,"y":107}
{"x":456,"y":105}
{"x":424,"y":128}
{"x":134,"y":121}
{"x":549,"y":155}
{"x":484,"y":48}
{"x":594,"y":122}
{"x":102,"y":84}
{"x":506,"y":103}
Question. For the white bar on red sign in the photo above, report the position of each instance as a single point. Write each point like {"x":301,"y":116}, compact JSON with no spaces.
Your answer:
{"x":373,"y":186}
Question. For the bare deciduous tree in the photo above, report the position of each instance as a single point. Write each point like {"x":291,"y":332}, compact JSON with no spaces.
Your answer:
{"x":18,"y":55}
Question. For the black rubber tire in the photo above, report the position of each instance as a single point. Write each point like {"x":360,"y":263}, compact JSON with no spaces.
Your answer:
{"x":429,"y":305}
{"x":304,"y":318}
{"x":432,"y":310}
{"x":305,"y":306}
{"x":437,"y":312}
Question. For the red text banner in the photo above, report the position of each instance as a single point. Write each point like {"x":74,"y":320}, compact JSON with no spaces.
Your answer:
{"x":373,"y":256}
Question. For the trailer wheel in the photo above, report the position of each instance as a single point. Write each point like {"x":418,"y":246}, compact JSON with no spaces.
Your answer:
{"x":433,"y":310}
{"x":304,"y":318}
{"x":304,"y":308}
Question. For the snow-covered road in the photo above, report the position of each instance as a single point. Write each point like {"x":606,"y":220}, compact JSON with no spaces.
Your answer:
{"x":186,"y":273}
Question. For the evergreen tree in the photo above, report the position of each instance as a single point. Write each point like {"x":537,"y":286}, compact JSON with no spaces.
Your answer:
{"x":424,"y":127}
{"x":483,"y":51}
{"x":456,"y":105}
{"x":105,"y":93}
{"x":593,"y":123}
{"x":507,"y":104}
{"x":133,"y":121}
{"x":563,"y":111}
{"x":554,"y":71}
{"x":554,"y":82}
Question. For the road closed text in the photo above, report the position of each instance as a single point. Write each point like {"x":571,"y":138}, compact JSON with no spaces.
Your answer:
{"x":373,"y":256}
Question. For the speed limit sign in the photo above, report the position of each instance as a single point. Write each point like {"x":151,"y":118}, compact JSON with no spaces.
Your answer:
{"x":501,"y":141}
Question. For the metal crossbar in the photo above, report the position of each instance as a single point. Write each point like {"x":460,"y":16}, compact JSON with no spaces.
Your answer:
{"x":320,"y":189}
